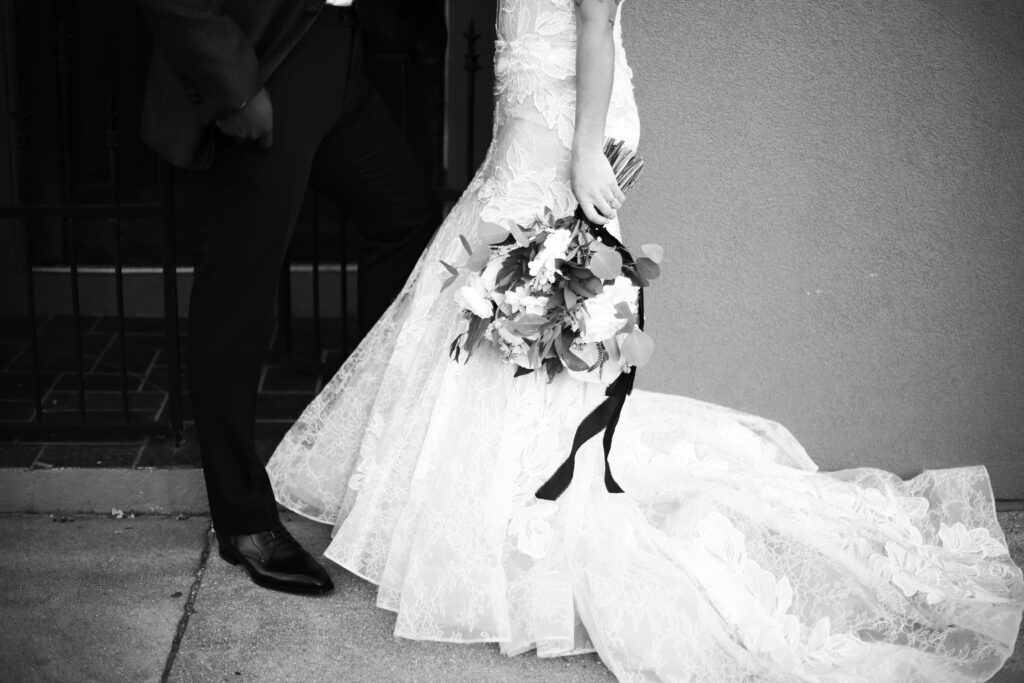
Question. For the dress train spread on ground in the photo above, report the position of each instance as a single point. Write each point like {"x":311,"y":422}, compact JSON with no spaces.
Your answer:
{"x":729,"y":557}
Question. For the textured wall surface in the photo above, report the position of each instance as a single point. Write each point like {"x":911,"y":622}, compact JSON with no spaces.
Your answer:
{"x":839,"y":187}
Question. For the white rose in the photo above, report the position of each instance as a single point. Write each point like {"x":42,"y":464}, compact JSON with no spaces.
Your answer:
{"x":470,"y":299}
{"x":557,"y":243}
{"x":542,"y":267}
{"x":535,"y":305}
{"x":600,"y":320}
{"x":514,"y":298}
{"x":620,"y":291}
{"x":600,"y":317}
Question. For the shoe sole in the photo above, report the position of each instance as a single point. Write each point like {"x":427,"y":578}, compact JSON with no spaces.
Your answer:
{"x":271,"y":585}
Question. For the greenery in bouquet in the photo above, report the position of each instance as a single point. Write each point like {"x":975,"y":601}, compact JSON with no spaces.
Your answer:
{"x":560,"y":293}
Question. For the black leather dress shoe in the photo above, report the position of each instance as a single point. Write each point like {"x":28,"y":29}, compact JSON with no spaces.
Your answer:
{"x":275,"y":560}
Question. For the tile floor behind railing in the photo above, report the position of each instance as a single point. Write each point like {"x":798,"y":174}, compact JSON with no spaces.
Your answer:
{"x":284,"y":390}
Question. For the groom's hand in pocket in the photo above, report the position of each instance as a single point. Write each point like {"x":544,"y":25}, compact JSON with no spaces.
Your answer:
{"x":254,"y":121}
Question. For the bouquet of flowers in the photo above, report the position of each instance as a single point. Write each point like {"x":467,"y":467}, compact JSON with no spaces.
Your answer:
{"x":560,"y":293}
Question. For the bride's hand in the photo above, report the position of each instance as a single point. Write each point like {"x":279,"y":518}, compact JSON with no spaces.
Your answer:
{"x":594,"y":185}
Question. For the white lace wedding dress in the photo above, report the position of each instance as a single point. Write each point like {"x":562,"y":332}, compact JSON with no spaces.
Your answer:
{"x":729,"y":557}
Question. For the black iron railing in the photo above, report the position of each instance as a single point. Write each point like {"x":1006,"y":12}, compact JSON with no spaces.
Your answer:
{"x":89,"y":211}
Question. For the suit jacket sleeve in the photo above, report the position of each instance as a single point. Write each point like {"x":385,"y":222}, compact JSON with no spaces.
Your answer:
{"x":208,"y":52}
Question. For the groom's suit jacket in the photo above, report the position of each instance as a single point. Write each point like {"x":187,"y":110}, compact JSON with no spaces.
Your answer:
{"x":209,"y":58}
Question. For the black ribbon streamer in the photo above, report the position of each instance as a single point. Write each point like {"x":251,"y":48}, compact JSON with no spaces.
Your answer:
{"x":603,"y":417}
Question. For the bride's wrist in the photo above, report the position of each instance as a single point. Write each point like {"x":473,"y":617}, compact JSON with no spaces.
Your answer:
{"x":582,"y":151}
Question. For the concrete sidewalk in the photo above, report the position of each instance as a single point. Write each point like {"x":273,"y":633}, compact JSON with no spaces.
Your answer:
{"x":94,"y":598}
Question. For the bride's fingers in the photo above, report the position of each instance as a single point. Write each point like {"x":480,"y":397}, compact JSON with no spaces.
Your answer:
{"x":592,"y":214}
{"x":604,"y":208}
{"x":619,"y":195}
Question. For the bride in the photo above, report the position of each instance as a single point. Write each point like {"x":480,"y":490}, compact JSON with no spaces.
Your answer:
{"x":728,"y":558}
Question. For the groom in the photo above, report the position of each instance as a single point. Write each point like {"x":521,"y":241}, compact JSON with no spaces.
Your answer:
{"x":256,"y":100}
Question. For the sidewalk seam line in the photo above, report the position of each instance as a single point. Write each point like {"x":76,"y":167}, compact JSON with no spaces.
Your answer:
{"x":193,"y":593}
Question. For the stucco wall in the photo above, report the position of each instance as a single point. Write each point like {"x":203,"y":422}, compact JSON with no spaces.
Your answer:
{"x":839,"y":187}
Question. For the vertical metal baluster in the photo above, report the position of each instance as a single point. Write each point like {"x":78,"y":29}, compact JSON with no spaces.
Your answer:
{"x":19,"y":119}
{"x":111,"y":114}
{"x":64,"y":77}
{"x":316,"y":283}
{"x":63,"y":62}
{"x":403,"y":101}
{"x":76,"y":313}
{"x":284,"y":305}
{"x":30,"y":287}
{"x":343,"y":259}
{"x":30,"y":292}
{"x":471,"y":65}
{"x":171,"y":326}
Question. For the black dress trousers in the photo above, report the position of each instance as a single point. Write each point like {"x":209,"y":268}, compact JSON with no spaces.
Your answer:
{"x":331,"y":131}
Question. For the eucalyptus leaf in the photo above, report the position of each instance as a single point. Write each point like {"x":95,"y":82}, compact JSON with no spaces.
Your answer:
{"x":553,"y":366}
{"x":526,"y":325}
{"x":654,"y":252}
{"x":479,"y":257}
{"x":570,"y":298}
{"x":578,"y":272}
{"x":635,"y":277}
{"x":606,"y":264}
{"x":477,"y":327}
{"x":521,"y":237}
{"x":549,"y":344}
{"x":578,"y":288}
{"x":492,"y":233}
{"x":593,"y":286}
{"x":506,"y":280}
{"x":574,"y":362}
{"x":648,"y":269}
{"x":637,"y":348}
{"x":562,"y":343}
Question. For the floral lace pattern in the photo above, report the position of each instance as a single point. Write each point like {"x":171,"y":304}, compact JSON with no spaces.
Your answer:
{"x":730,"y":558}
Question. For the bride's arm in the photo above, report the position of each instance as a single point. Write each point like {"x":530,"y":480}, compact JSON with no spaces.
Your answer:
{"x":593,"y":182}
